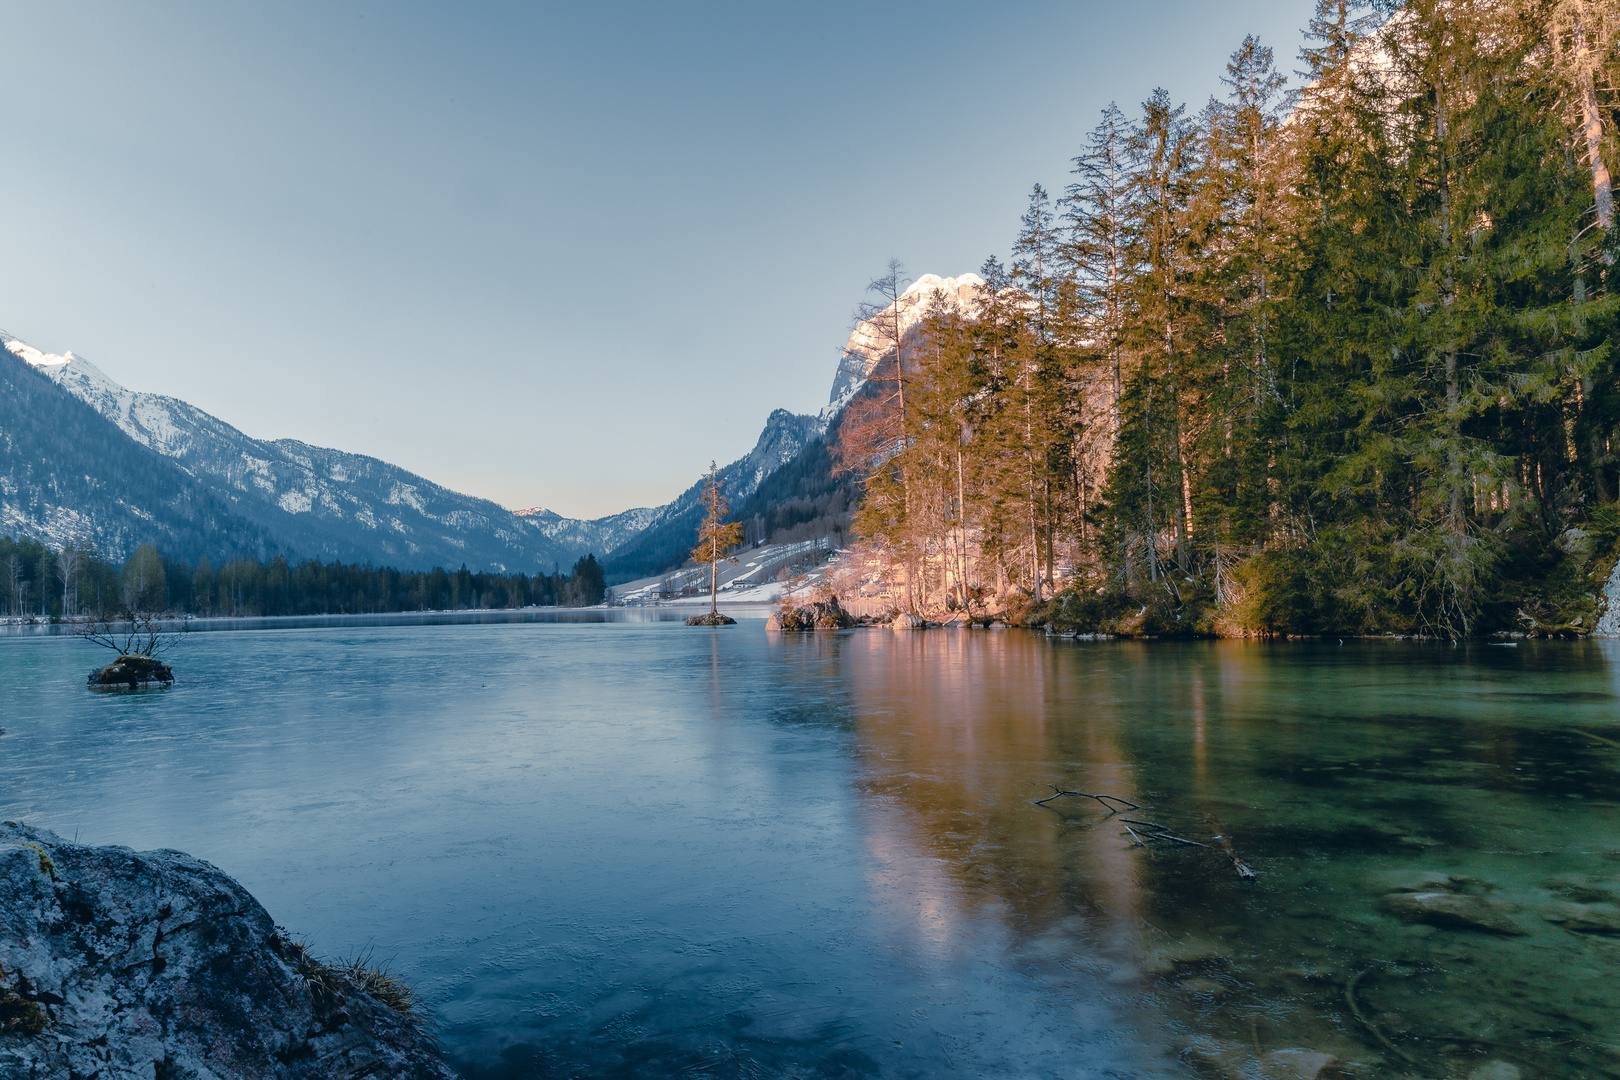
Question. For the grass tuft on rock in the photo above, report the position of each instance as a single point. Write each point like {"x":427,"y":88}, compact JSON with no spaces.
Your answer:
{"x":329,"y":981}
{"x":389,"y":987}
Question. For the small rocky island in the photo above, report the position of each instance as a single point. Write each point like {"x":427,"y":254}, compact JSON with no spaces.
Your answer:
{"x":821,"y":612}
{"x":117,"y":964}
{"x":133,"y":671}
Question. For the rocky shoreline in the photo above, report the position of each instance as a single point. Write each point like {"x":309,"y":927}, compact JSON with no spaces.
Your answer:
{"x":117,"y":964}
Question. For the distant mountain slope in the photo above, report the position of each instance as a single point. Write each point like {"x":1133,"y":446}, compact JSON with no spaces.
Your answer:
{"x":321,"y":502}
{"x":788,"y":482}
{"x":804,"y":499}
{"x":598,"y":536}
{"x":67,"y":474}
{"x":672,"y":530}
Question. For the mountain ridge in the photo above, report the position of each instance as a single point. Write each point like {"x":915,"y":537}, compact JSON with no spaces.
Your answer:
{"x":318,"y":501}
{"x":69,"y":475}
{"x":325,"y":502}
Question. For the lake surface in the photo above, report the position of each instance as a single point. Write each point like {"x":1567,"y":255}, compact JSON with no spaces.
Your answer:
{"x":632,"y":848}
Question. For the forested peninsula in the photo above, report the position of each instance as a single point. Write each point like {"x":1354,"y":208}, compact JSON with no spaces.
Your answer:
{"x":1331,"y":360}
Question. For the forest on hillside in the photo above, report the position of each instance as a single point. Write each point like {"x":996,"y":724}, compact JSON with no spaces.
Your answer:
{"x":37,"y":581}
{"x":1329,"y":359}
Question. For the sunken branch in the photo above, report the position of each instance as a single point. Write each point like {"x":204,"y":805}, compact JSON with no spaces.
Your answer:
{"x":1105,"y":800}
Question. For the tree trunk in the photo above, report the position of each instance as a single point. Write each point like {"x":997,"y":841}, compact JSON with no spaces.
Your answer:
{"x":1591,"y":125}
{"x":1051,"y":570}
{"x":961,"y":511}
{"x":1179,"y":479}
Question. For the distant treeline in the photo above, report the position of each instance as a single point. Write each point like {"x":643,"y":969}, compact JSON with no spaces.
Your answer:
{"x":36,"y":580}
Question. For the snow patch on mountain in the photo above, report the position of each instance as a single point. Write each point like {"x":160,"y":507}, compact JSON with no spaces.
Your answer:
{"x":598,"y":536}
{"x":873,"y":339}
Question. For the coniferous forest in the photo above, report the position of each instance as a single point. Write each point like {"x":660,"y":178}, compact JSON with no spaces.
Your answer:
{"x":40,"y":582}
{"x":1329,"y":360}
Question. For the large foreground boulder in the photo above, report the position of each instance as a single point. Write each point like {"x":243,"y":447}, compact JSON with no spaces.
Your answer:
{"x":117,"y":964}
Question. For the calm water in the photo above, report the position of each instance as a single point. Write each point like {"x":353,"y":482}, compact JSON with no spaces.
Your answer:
{"x":639,"y":849}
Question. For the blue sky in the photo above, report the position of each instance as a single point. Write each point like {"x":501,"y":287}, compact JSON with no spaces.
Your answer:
{"x":547,"y":254}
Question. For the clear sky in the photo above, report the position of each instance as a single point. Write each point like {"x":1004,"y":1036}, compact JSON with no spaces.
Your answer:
{"x":555,"y":254}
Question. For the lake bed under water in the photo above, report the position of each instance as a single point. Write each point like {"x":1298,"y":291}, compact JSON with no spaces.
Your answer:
{"x":631,"y":848}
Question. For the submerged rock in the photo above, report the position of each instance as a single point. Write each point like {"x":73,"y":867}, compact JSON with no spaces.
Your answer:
{"x":1583,"y":889}
{"x":117,"y":965}
{"x":1165,"y":958}
{"x":1202,"y":986}
{"x":1585,"y":918}
{"x":132,"y":671}
{"x":1455,"y":902}
{"x":1237,"y":1062}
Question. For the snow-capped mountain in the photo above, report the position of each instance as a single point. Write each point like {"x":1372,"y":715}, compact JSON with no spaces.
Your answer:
{"x":784,"y":437}
{"x":601,"y":535}
{"x":870,"y":341}
{"x":70,"y":476}
{"x":318,"y":501}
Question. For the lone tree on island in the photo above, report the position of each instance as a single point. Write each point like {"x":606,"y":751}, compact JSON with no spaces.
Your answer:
{"x":716,"y":536}
{"x":138,"y":638}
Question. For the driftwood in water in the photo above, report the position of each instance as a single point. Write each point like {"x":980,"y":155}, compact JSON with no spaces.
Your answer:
{"x":1159,"y":832}
{"x":1103,"y":799}
{"x":1153,"y":830}
{"x":1225,"y":841}
{"x":1366,"y":1021}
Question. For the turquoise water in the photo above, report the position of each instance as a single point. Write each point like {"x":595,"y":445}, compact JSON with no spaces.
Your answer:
{"x":633,"y":848}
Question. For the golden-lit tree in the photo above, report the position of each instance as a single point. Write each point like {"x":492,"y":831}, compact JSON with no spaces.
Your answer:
{"x":716,"y":536}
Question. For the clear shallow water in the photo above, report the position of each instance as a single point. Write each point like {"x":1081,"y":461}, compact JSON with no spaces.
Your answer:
{"x":642,"y":849}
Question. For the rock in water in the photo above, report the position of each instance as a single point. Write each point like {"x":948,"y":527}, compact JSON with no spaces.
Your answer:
{"x":117,"y":965}
{"x":1241,"y":1063}
{"x":1586,"y":918}
{"x":825,"y":613}
{"x":711,"y":618}
{"x":132,"y":671}
{"x":1449,"y":900}
{"x":907,"y":621}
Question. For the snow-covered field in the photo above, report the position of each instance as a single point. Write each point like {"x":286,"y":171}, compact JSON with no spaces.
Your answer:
{"x":756,"y":578}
